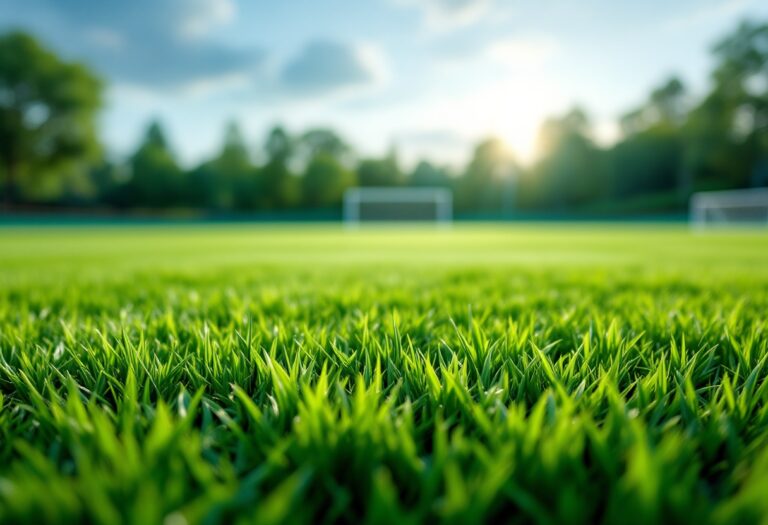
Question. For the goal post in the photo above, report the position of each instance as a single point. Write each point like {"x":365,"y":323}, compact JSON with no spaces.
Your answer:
{"x":731,"y":207}
{"x":375,"y":204}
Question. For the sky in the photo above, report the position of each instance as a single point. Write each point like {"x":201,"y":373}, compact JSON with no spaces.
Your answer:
{"x":429,"y":78}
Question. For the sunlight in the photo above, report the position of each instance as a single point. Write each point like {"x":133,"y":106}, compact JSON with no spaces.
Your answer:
{"x":515,"y":110}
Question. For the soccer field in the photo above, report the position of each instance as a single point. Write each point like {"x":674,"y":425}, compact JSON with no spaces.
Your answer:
{"x":557,"y":373}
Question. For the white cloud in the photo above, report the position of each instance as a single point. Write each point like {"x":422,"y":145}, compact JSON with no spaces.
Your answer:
{"x":202,"y":16}
{"x":444,"y":15}
{"x":512,"y":54}
{"x":375,"y":61}
{"x":152,"y":43}
{"x":325,"y":67}
{"x":523,"y":51}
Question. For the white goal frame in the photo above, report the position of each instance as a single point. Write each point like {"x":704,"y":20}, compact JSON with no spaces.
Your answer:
{"x":711,"y":207}
{"x":441,"y":198}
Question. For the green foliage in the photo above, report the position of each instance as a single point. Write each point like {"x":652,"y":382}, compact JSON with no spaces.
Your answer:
{"x":490,"y":174}
{"x":531,"y":375}
{"x":324,"y":181}
{"x":47,"y":114}
{"x":648,"y":162}
{"x":156,"y":180}
{"x":380,"y":172}
{"x":327,"y":173}
{"x":729,"y":129}
{"x":277,"y":183}
{"x":665,"y":107}
{"x":427,"y":174}
{"x":279,"y":145}
{"x":323,"y":141}
{"x":571,"y":171}
{"x":229,"y":181}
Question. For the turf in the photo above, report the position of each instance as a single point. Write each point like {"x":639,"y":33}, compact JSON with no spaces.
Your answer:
{"x":521,"y":374}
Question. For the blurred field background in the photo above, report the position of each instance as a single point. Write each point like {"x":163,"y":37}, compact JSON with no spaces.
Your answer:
{"x":518,"y":114}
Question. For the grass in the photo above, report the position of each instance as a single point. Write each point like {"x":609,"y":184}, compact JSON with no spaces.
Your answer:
{"x":528,"y":374}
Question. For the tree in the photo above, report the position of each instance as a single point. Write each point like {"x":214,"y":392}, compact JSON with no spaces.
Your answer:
{"x":228,"y":181}
{"x":279,"y":146}
{"x":666,"y":106}
{"x":487,"y":183}
{"x":156,"y":179}
{"x":326,"y":159}
{"x":47,"y":112}
{"x":648,"y":161}
{"x":380,"y":172}
{"x":324,"y":181}
{"x":728,"y":131}
{"x":326,"y":141}
{"x":571,"y":171}
{"x":427,"y":174}
{"x":278,"y":185}
{"x":650,"y":157}
{"x":107,"y":178}
{"x":669,"y":102}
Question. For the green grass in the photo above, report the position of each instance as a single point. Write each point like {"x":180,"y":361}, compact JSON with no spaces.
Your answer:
{"x":527,"y":374}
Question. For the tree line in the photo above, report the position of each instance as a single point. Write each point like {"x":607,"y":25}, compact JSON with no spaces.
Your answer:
{"x":671,"y":145}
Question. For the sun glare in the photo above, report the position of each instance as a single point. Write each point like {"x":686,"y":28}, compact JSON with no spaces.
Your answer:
{"x":521,"y":107}
{"x":512,"y":110}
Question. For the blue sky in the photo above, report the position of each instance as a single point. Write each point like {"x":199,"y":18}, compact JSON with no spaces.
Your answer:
{"x":430,"y":77}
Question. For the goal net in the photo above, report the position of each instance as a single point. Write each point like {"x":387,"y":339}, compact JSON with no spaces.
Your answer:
{"x":398,"y":204}
{"x":734,"y":207}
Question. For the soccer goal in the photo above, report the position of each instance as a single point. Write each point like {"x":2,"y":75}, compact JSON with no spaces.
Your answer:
{"x":733,"y":207}
{"x":398,"y":204}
